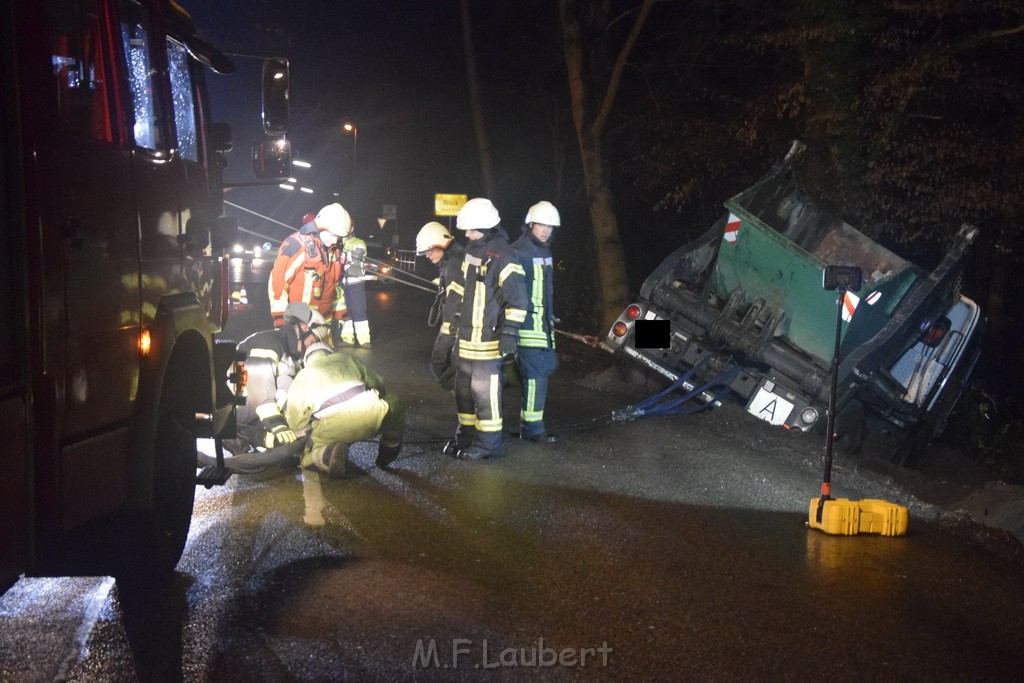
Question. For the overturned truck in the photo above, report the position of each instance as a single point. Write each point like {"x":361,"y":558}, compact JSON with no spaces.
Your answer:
{"x":745,"y":304}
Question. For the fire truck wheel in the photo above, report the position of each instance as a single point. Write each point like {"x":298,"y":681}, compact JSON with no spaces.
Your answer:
{"x":163,"y":530}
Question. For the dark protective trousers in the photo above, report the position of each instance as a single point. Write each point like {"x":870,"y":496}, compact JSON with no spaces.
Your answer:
{"x":355,"y":300}
{"x":535,"y":367}
{"x":478,"y":385}
{"x":279,"y":458}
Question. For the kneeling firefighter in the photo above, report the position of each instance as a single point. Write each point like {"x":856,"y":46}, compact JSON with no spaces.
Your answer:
{"x":272,"y":359}
{"x":340,"y":401}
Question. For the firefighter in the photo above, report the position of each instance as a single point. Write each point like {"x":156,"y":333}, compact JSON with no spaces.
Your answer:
{"x":340,"y":402}
{"x":308,"y":266}
{"x":272,"y":359}
{"x":490,"y":311}
{"x":436,"y":243}
{"x":355,"y":328}
{"x":536,"y":358}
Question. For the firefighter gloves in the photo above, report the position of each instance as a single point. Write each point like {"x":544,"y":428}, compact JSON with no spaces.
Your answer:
{"x":278,"y":436}
{"x":442,"y":349}
{"x":508,"y":346}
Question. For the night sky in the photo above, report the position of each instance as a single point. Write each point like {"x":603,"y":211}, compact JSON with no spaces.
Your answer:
{"x":396,"y":70}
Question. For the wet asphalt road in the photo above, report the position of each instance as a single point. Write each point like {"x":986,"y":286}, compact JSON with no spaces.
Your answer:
{"x":661,"y":549}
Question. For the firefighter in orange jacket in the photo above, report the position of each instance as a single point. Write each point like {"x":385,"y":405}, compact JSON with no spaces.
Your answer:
{"x":309,"y":265}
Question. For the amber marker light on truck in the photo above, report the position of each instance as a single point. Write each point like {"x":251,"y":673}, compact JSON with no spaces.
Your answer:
{"x":145,"y":342}
{"x":619,"y":329}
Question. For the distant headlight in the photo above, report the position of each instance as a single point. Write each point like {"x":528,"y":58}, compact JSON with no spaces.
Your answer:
{"x":238,"y":249}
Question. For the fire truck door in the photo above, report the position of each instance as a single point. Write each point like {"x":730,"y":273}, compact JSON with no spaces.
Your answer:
{"x":92,"y":188}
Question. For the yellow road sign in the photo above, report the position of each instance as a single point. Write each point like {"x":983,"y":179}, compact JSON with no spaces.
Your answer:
{"x":449,"y":204}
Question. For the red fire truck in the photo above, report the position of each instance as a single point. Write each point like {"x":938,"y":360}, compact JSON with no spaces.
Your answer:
{"x":112,"y":284}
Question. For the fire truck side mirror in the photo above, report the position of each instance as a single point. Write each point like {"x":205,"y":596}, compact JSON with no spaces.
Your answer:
{"x":196,"y":237}
{"x":224,"y":233}
{"x":275,"y":96}
{"x":272,"y":159}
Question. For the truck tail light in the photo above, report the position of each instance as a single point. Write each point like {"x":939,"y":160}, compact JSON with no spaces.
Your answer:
{"x":619,"y":329}
{"x":936,"y":332}
{"x":633,"y":312}
{"x":238,"y":380}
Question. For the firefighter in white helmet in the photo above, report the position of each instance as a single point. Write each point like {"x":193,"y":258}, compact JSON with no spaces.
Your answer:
{"x":340,"y":401}
{"x":537,"y":359}
{"x":309,"y":264}
{"x":491,"y":306}
{"x":436,"y":243}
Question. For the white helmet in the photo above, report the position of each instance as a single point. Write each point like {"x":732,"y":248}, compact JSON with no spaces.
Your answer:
{"x":431,"y":235}
{"x":334,"y":219}
{"x":319,"y":326}
{"x":477,"y":214}
{"x":314,"y":348}
{"x":544,"y":213}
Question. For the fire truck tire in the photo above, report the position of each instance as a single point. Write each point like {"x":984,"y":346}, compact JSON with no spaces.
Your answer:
{"x":161,"y":532}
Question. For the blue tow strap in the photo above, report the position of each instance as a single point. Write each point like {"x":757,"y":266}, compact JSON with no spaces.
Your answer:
{"x":664,"y":403}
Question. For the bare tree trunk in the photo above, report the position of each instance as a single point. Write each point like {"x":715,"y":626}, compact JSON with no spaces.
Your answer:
{"x":591,"y":103}
{"x":473,"y":81}
{"x":611,"y":267}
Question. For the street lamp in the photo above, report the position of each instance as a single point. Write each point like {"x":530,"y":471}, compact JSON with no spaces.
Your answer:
{"x":351,"y":128}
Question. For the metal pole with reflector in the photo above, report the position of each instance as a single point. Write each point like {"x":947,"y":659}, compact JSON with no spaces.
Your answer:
{"x":841,"y":516}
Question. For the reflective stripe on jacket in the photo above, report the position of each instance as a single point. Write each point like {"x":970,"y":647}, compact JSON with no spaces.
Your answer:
{"x":305,"y":270}
{"x":450,"y":280}
{"x":493,"y":299}
{"x":538,"y":330}
{"x":355,"y":259}
{"x":271,"y":361}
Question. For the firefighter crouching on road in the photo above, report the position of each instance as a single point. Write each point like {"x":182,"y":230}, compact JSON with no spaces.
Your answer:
{"x":308,"y":267}
{"x":491,"y":309}
{"x":340,"y":401}
{"x":272,"y":359}
{"x":355,"y":329}
{"x":436,"y":243}
{"x":537,"y":358}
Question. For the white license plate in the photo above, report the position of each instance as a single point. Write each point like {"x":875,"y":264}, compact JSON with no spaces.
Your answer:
{"x":769,"y":407}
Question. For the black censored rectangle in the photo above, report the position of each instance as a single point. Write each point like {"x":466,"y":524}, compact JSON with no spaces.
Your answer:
{"x":651,"y":334}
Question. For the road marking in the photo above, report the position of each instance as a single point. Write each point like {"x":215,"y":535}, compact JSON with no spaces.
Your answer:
{"x":312,"y":498}
{"x":94,"y":605}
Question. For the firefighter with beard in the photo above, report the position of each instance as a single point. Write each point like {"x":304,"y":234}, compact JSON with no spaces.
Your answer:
{"x":537,"y":359}
{"x":436,"y":243}
{"x":490,"y":311}
{"x":308,"y":267}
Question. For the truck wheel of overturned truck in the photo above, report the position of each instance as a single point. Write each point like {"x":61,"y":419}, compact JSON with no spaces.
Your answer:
{"x":160,"y":533}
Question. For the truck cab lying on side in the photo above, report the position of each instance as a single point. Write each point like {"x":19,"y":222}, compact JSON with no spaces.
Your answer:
{"x":748,"y":295}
